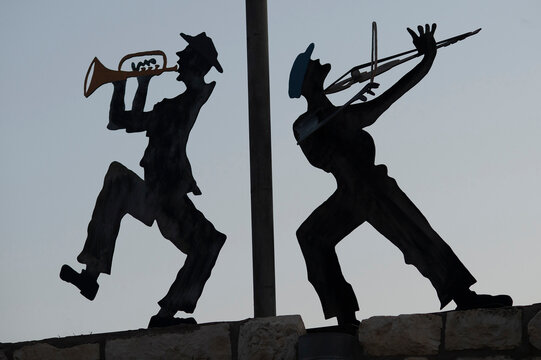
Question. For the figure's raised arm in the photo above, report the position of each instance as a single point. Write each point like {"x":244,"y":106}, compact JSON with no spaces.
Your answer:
{"x":136,"y":119}
{"x":426,"y":45}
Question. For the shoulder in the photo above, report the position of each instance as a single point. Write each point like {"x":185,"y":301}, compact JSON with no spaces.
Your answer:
{"x":301,"y":119}
{"x":306,"y":124}
{"x":207,"y":89}
{"x":210,"y":86}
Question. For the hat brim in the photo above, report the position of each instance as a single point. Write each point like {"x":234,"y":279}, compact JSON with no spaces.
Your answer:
{"x":298,"y":72}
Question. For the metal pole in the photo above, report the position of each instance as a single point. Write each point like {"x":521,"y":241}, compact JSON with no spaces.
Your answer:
{"x":260,"y":159}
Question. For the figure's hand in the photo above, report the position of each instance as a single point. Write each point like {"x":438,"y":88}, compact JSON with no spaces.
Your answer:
{"x":424,"y":42}
{"x":144,"y":80}
{"x":119,"y":85}
{"x":367,"y":89}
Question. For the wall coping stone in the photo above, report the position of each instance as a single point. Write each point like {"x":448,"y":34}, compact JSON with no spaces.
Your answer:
{"x":512,"y":333}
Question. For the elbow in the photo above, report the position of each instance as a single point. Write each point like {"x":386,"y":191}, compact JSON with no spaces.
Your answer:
{"x":113,"y":126}
{"x":116,"y":120}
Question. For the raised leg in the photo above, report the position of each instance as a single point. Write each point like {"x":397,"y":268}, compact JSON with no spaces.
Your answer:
{"x":123,"y":193}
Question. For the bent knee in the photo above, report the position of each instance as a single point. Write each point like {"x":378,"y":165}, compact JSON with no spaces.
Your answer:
{"x":116,"y":168}
{"x":118,"y":173}
{"x":305,"y":236}
{"x":219,"y":238}
{"x":301,"y":233}
{"x":314,"y":238}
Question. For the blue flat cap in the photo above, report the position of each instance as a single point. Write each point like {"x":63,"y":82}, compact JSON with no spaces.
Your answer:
{"x":298,"y":71}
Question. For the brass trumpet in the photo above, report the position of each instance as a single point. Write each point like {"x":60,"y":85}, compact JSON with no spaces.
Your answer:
{"x":100,"y":75}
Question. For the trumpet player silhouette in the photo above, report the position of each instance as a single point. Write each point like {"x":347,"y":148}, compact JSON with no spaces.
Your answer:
{"x":365,"y":192}
{"x":162,"y":195}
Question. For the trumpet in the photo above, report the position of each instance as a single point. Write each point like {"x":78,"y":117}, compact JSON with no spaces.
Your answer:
{"x":383,"y":65}
{"x":100,"y":75}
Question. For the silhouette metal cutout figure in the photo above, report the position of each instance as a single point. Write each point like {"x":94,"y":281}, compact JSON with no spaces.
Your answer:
{"x":333,"y":139}
{"x":162,"y":195}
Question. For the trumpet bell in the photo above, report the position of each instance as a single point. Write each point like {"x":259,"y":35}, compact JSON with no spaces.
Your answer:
{"x":99,"y":75}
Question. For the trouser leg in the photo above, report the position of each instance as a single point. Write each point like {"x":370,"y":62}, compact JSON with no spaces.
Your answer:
{"x":123,"y":192}
{"x":399,"y":220}
{"x":318,"y":235}
{"x":191,"y":232}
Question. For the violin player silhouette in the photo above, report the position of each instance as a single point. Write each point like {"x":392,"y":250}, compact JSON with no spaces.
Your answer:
{"x":333,"y":139}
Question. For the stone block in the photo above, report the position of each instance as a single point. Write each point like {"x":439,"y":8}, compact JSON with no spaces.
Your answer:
{"x":44,"y":351}
{"x":270,"y":338}
{"x":401,"y":335}
{"x":496,"y":329}
{"x":204,"y":342}
{"x":534,"y":331}
{"x":3,"y":356}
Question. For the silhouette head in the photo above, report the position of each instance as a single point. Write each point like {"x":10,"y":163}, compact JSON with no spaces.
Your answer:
{"x":198,"y":57}
{"x":307,"y":75}
{"x":316,"y":73}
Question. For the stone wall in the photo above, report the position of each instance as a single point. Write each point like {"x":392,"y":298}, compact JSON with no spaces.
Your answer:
{"x":499,"y":334}
{"x":265,"y":338}
{"x":491,"y":334}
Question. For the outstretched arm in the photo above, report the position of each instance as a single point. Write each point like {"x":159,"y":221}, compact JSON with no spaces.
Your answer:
{"x":135,"y":120}
{"x":367,"y":113}
{"x":426,"y":45}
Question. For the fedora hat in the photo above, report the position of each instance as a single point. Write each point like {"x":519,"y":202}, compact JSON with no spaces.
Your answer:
{"x":205,"y":47}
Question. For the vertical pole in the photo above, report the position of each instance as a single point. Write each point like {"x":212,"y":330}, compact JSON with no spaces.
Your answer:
{"x":260,"y":158}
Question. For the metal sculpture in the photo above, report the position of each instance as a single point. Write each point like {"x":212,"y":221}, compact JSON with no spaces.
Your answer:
{"x":162,"y":195}
{"x":332,"y":139}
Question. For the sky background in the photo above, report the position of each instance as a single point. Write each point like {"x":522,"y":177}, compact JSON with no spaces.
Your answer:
{"x":463,"y":144}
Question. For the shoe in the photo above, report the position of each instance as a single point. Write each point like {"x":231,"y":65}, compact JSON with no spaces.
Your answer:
{"x":472,"y":300}
{"x":84,"y":282}
{"x":348,"y":320}
{"x":161,"y":321}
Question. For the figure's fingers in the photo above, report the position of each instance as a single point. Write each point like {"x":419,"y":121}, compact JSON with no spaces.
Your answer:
{"x":363,"y":98}
{"x":370,"y":92}
{"x":427,"y":28}
{"x":420,"y":29}
{"x":368,"y":87}
{"x":412,"y":33}
{"x":433,"y":28}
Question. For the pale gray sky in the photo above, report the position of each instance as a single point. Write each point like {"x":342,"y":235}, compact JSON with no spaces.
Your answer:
{"x":464,"y":145}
